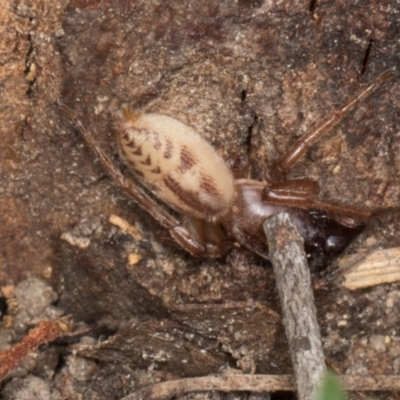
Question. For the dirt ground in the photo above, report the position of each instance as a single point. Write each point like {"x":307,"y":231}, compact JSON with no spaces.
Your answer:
{"x":250,"y":76}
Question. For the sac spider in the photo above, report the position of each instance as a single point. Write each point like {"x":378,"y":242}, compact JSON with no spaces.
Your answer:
{"x":185,"y":172}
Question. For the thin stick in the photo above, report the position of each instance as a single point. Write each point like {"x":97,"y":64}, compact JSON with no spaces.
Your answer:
{"x":255,"y":383}
{"x":45,"y":332}
{"x":223,"y":383}
{"x":286,"y":250}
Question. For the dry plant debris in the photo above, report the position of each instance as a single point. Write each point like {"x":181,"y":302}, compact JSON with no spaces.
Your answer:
{"x":45,"y":332}
{"x":382,"y":266}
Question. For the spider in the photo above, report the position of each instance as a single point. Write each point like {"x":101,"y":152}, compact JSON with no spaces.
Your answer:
{"x":184,"y":171}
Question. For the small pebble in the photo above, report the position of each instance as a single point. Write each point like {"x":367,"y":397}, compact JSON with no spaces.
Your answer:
{"x":27,"y":388}
{"x":34,"y":296}
{"x":81,"y":368}
{"x":377,"y":342}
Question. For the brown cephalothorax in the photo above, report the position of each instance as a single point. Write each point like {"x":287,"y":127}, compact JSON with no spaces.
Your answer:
{"x":184,"y":171}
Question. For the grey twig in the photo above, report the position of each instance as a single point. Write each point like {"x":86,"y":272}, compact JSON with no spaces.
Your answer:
{"x":293,"y":281}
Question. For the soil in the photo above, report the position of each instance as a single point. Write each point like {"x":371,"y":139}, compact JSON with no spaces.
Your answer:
{"x":249,"y":76}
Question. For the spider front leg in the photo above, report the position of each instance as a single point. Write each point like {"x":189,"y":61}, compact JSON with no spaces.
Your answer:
{"x":199,"y":237}
{"x":292,"y":194}
{"x":279,"y":171}
{"x":188,"y":235}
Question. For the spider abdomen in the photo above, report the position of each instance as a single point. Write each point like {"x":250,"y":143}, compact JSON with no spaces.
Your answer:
{"x":176,"y":163}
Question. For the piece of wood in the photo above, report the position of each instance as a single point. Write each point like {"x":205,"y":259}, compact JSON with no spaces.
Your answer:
{"x":45,"y":332}
{"x":382,"y":266}
{"x":293,"y":281}
{"x":255,"y":383}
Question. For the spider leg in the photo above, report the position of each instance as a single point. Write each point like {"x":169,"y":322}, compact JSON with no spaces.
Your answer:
{"x":199,"y":237}
{"x":299,"y":148}
{"x":346,"y":215}
{"x":186,"y":234}
{"x":214,"y":238}
{"x":306,"y":186}
{"x":190,"y":235}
